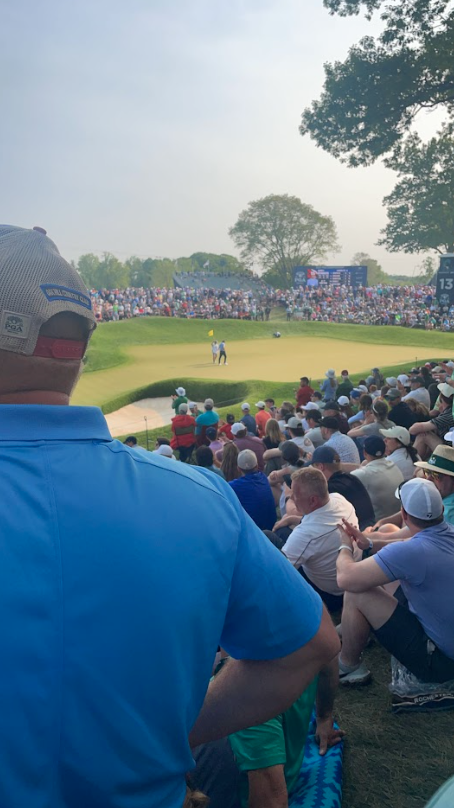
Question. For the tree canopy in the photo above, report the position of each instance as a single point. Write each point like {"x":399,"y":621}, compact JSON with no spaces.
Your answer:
{"x":281,"y":232}
{"x":375,"y":273}
{"x":370,"y":100}
{"x":109,"y":272}
{"x":421,"y":206}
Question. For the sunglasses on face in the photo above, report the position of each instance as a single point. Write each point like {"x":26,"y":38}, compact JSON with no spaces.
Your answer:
{"x":432,"y":475}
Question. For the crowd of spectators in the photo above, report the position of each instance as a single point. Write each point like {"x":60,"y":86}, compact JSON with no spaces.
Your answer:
{"x":412,"y":306}
{"x":354,"y":484}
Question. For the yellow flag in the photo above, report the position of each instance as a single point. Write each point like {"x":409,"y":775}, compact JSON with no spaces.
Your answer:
{"x":211,"y":333}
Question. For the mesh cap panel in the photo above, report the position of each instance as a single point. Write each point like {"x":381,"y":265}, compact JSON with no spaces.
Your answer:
{"x":35,"y":283}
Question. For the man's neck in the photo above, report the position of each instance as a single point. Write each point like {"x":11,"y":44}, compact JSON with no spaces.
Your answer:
{"x":35,"y":397}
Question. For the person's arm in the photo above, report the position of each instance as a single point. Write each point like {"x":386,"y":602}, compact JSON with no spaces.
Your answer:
{"x":395,"y":519}
{"x":288,"y":521}
{"x":356,"y":576}
{"x":422,"y":426}
{"x":357,"y":432}
{"x":328,"y":680}
{"x":270,"y":453}
{"x":267,"y":788}
{"x":250,"y":692}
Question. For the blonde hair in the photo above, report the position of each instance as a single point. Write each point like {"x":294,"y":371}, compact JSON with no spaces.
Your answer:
{"x":273,"y":432}
{"x":313,"y":480}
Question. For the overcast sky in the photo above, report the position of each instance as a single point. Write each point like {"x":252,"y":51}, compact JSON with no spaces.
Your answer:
{"x":145,"y":127}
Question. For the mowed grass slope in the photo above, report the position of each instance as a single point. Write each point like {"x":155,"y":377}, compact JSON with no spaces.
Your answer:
{"x":110,"y":342}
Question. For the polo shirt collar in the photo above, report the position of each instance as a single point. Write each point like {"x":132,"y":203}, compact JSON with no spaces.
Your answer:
{"x":26,"y":422}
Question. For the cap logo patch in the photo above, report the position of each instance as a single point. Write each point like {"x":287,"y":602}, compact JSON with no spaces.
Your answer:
{"x":15,"y":325}
{"x":54,"y":292}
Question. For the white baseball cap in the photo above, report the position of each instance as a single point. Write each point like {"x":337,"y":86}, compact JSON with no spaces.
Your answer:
{"x":181,"y":391}
{"x":397,"y":432}
{"x":420,"y":498}
{"x":261,"y":405}
{"x":247,"y":460}
{"x":343,"y":401}
{"x":245,"y":406}
{"x":35,"y":284}
{"x":445,"y":389}
{"x":165,"y":451}
{"x":403,"y":379}
{"x":237,"y":428}
{"x":311,"y":405}
{"x":392,"y":381}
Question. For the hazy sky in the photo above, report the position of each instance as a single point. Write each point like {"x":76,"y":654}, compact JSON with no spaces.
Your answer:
{"x":145,"y":127}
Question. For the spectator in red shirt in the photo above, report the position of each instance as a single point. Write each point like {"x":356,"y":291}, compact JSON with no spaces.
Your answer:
{"x":304,"y":392}
{"x":226,"y":428}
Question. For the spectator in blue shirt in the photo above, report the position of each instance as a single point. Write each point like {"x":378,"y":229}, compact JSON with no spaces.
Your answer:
{"x":207,"y":418}
{"x":113,"y":618}
{"x":248,"y":420}
{"x":254,"y":491}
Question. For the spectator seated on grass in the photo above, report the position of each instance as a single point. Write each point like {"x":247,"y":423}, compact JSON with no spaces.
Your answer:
{"x":183,"y":428}
{"x":342,"y":444}
{"x":399,"y":450}
{"x":131,"y":441}
{"x":215,"y":443}
{"x":313,"y":419}
{"x":205,"y":459}
{"x":290,"y":460}
{"x":272,"y":440}
{"x":229,"y":465}
{"x":341,"y":482}
{"x":245,"y":441}
{"x":430,"y":434}
{"x":379,"y":421}
{"x":415,"y":624}
{"x":313,"y":544}
{"x":164,"y":450}
{"x":254,"y":492}
{"x":418,"y":391}
{"x":379,"y":476}
{"x":296,"y":435}
{"x":401,"y":414}
{"x":364,"y":403}
{"x":248,"y":420}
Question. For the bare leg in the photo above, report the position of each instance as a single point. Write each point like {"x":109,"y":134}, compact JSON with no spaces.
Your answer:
{"x":362,"y":610}
{"x":425,"y":443}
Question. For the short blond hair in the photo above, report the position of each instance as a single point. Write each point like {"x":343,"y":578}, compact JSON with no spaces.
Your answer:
{"x":313,"y":480}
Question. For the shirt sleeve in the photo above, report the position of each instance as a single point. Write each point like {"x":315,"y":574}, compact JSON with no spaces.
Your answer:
{"x":272,"y":611}
{"x":297,"y":546}
{"x":259,"y":747}
{"x":403,"y":561}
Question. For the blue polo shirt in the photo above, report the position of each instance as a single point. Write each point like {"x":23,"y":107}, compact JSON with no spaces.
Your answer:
{"x":113,"y":602}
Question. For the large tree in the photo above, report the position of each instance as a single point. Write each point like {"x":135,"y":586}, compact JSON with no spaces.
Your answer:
{"x":370,"y":100}
{"x":281,"y":232}
{"x":421,"y":206}
{"x":375,"y":274}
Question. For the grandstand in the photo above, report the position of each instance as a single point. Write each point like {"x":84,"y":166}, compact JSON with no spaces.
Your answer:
{"x":242,"y":281}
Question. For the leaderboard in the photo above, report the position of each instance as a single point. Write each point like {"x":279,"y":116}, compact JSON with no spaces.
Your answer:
{"x":314,"y":276}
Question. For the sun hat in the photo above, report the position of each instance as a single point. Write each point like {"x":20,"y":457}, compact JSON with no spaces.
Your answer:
{"x":392,"y":381}
{"x":343,"y":401}
{"x":247,"y":460}
{"x":261,"y":405}
{"x":392,"y":394}
{"x":374,"y":445}
{"x":441,"y":460}
{"x":399,"y":433}
{"x":449,"y":436}
{"x":245,"y":406}
{"x":236,"y":428}
{"x":420,"y":498}
{"x":445,"y":389}
{"x":180,"y":391}
{"x":330,"y":373}
{"x":311,"y":405}
{"x":403,"y":379}
{"x":35,"y":284}
{"x":294,"y":423}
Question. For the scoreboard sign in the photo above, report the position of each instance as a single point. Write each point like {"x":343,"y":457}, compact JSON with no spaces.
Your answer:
{"x":313,"y":276}
{"x":445,"y":281}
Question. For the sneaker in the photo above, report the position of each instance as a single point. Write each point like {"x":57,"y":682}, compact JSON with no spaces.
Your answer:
{"x":353,"y":676}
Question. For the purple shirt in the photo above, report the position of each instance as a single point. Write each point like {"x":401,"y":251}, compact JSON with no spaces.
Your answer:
{"x":425,"y":567}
